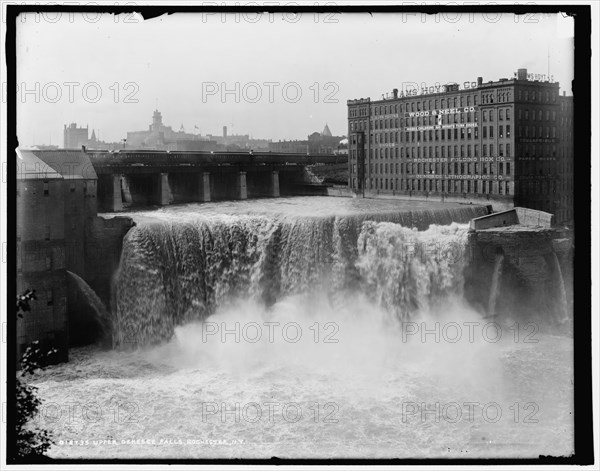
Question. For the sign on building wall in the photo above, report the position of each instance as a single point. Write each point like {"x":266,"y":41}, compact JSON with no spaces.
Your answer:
{"x":439,"y":113}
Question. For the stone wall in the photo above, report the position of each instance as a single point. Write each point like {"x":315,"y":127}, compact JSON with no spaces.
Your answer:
{"x":530,"y":283}
{"x":104,"y":242}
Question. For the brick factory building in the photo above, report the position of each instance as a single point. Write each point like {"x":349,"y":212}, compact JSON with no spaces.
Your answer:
{"x":508,"y":143}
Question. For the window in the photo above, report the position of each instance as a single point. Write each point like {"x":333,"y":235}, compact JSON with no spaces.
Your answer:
{"x":508,"y":151}
{"x":485,"y":132}
{"x":500,"y":114}
{"x":491,"y":132}
{"x":484,"y":116}
{"x":507,"y":114}
{"x":49,"y":298}
{"x":501,"y":131}
{"x":508,"y":130}
{"x":507,"y":168}
{"x":491,"y":115}
{"x":46,"y":188}
{"x":501,"y":150}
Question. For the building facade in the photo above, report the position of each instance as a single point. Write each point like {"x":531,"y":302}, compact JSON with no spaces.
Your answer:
{"x":316,"y":143}
{"x":56,"y":206}
{"x":502,"y":142}
{"x":41,"y":251}
{"x":74,"y":137}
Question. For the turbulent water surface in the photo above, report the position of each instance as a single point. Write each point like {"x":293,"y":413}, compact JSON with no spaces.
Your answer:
{"x":307,"y":327}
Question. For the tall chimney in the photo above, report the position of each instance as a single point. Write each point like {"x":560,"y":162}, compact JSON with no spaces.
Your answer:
{"x":224,"y":131}
{"x":395,"y":92}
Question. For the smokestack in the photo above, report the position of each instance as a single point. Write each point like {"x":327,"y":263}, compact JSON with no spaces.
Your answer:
{"x":395,"y":92}
{"x":224,"y":131}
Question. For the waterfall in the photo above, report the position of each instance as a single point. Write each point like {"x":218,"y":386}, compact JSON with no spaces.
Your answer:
{"x":182,"y":269}
{"x":495,"y":288}
{"x":85,"y":298}
{"x":562,"y":293}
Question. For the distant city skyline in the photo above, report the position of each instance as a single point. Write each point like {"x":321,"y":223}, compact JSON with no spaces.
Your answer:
{"x":209,"y":71}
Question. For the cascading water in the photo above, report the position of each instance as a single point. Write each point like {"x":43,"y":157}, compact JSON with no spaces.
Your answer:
{"x":376,"y":290}
{"x":91,"y":302}
{"x":177,"y":271}
{"x":495,"y":288}
{"x":562,"y":292}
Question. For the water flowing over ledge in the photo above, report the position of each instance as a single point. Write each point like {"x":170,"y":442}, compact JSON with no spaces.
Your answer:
{"x":181,"y":264}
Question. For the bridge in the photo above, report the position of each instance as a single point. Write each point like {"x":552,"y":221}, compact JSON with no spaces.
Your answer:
{"x":147,"y":177}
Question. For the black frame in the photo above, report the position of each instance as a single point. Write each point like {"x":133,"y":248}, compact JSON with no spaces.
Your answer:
{"x":584,"y":451}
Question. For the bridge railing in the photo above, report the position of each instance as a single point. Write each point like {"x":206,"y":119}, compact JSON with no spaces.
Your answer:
{"x":210,"y":158}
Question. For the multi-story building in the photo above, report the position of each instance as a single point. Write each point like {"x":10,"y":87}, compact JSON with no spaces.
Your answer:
{"x":502,"y":142}
{"x":41,"y":251}
{"x":74,"y":137}
{"x":317,"y":143}
{"x":56,"y":205}
{"x":564,"y":210}
{"x":158,"y":135}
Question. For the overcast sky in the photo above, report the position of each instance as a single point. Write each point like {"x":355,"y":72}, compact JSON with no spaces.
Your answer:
{"x":286,"y":76}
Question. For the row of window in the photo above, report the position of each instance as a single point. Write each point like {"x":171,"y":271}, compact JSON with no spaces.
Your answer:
{"x":542,"y":132}
{"x":462,"y":100}
{"x":504,"y":132}
{"x":444,"y":168}
{"x":46,"y":189}
{"x":503,"y":114}
{"x":443,"y":186}
{"x":488,"y":150}
{"x":536,"y":116}
{"x":504,"y":150}
{"x":537,"y":187}
{"x":537,"y":95}
{"x":426,"y":105}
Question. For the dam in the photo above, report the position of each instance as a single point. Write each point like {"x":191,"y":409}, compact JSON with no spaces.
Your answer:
{"x":270,"y":327}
